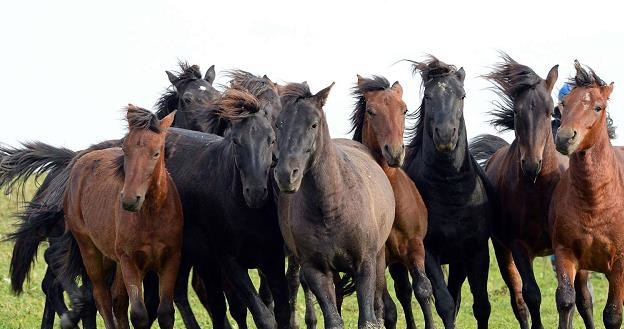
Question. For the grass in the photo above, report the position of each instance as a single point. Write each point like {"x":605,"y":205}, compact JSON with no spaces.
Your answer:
{"x":25,"y":311}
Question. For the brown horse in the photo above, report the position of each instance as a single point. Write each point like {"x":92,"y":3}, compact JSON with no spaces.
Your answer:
{"x":379,"y":121}
{"x":524,"y":175}
{"x":586,"y":208}
{"x":123,"y":208}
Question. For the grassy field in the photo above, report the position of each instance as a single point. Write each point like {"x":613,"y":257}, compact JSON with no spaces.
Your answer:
{"x":25,"y":311}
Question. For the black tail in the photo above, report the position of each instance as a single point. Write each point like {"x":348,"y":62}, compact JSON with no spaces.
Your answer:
{"x":37,"y":223}
{"x":66,"y":258}
{"x":35,"y":158}
{"x":484,"y":146}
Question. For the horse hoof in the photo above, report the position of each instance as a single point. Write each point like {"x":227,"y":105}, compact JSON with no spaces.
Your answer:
{"x":66,"y":322}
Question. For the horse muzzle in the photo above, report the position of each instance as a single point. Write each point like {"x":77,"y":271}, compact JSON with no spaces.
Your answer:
{"x":567,"y":141}
{"x":531,"y":168}
{"x":131,"y":204}
{"x":394,"y":155}
{"x":288,"y":179}
{"x":255,"y":197}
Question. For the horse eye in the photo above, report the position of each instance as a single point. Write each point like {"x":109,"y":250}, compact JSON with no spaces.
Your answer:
{"x":235,"y":141}
{"x":462,"y":98}
{"x":272,"y":142}
{"x":315,"y":125}
{"x":404,"y":111}
{"x":427,"y":97}
{"x":156,"y":154}
{"x":598,"y":109}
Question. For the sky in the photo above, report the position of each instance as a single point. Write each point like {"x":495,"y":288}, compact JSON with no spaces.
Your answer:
{"x":69,"y":67}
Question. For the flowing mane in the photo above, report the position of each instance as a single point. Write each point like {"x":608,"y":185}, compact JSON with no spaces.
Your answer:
{"x":429,"y":69}
{"x":509,"y":79}
{"x":254,"y":84}
{"x":375,"y":83}
{"x":586,"y":77}
{"x":293,"y":92}
{"x":237,"y":104}
{"x":140,"y":118}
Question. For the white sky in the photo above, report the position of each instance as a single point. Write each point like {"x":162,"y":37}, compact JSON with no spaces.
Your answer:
{"x":68,"y":67}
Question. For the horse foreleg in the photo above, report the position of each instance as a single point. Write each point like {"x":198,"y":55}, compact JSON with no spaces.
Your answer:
{"x":275,"y":280}
{"x":52,"y":291}
{"x":151,"y":295}
{"x":292,"y":277}
{"x":208,"y":284}
{"x":584,"y":298}
{"x":612,"y":314}
{"x":403,"y":291}
{"x":181,"y":296}
{"x":261,"y":314}
{"x":236,"y":306}
{"x":120,"y":300}
{"x":365,"y":283}
{"x":166,"y":281}
{"x":310,"y":314}
{"x":565,"y":263}
{"x":477,"y":271}
{"x":456,"y":278}
{"x":445,"y":306}
{"x":381,"y":287}
{"x":530,"y":290}
{"x":421,"y":284}
{"x":390,"y":311}
{"x":133,"y":279}
{"x":322,"y":286}
{"x":513,"y":281}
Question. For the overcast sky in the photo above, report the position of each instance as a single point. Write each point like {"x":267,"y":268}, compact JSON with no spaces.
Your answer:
{"x":68,"y":67}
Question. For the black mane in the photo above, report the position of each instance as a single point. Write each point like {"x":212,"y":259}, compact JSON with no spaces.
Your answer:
{"x":359,"y":112}
{"x":254,"y":84}
{"x":509,"y":80}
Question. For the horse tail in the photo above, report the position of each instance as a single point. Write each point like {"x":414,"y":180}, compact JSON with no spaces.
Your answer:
{"x":34,"y":158}
{"x":345,"y":286}
{"x":484,"y":146}
{"x":66,"y":258}
{"x":37,"y":222}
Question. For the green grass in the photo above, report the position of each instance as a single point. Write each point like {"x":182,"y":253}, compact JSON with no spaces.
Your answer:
{"x":25,"y":311}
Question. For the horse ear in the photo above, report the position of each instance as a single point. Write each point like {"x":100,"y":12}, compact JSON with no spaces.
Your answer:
{"x":360,"y":80}
{"x":461,"y":74}
{"x":166,"y":122}
{"x":607,"y":90}
{"x":553,"y":74}
{"x":210,"y":75}
{"x":321,"y":97}
{"x":172,"y":77}
{"x":397,"y":88}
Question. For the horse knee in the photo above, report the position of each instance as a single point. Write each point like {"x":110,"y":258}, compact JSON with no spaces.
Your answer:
{"x":165,"y":314}
{"x":139,"y":316}
{"x":481,"y":310}
{"x":612,"y":316}
{"x":310,"y":319}
{"x":565,"y":297}
{"x":422,"y":287}
{"x":531,"y":295}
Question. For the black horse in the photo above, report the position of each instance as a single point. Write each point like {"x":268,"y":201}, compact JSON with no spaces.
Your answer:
{"x":455,"y":191}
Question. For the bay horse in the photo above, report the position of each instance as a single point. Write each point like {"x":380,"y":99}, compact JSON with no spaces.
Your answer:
{"x":455,"y":190}
{"x":524,"y":175}
{"x":586,"y":207}
{"x":378,"y":121}
{"x":335,"y":205}
{"x":124,"y":211}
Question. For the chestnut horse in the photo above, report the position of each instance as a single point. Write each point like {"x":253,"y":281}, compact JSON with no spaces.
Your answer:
{"x":524,"y":175}
{"x":335,"y":206}
{"x":123,"y":208}
{"x":378,"y":121}
{"x":586,"y":209}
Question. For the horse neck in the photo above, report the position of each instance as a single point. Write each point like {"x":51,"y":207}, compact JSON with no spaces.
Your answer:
{"x":594,"y":170}
{"x":323,"y":184}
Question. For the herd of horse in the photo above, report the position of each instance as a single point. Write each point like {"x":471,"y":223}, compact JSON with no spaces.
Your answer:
{"x":219,"y":182}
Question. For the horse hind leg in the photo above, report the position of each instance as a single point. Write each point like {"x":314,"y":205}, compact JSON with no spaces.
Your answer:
{"x":584,"y":298}
{"x":513,"y":281}
{"x":390,"y":311}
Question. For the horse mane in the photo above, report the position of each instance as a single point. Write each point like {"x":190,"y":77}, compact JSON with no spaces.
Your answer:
{"x":140,"y":118}
{"x":429,"y":69}
{"x":237,"y":104}
{"x":509,"y":79}
{"x":359,"y":112}
{"x":168,"y":101}
{"x":292,"y":92}
{"x":254,"y":84}
{"x":587,"y":77}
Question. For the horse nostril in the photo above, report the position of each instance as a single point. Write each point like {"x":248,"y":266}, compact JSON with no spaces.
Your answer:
{"x":387,"y":148}
{"x":574,"y":135}
{"x":294,"y":172}
{"x":403,"y":146}
{"x":247,"y":189}
{"x":454,"y":131}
